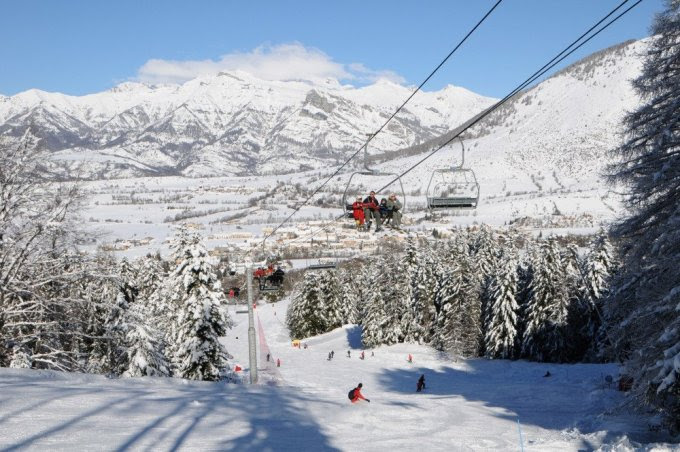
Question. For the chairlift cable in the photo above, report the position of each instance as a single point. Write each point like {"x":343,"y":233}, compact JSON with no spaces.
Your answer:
{"x":373,"y":135}
{"x":545,"y":68}
{"x":553,"y":62}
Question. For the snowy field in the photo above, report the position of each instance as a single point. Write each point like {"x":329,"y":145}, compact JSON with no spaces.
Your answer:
{"x":136,"y":216}
{"x":302,"y":406}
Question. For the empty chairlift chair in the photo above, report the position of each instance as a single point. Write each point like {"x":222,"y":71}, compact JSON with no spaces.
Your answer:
{"x":323,"y":264}
{"x":453,"y":188}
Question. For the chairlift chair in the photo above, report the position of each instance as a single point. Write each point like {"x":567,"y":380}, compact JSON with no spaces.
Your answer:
{"x":453,"y":188}
{"x":322,"y":265}
{"x":270,"y":281}
{"x":366,"y":171}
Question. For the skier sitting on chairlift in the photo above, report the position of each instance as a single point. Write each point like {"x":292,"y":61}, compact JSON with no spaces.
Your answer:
{"x":384,"y":211}
{"x":372,"y":211}
{"x":358,"y":213}
{"x":276,"y":278}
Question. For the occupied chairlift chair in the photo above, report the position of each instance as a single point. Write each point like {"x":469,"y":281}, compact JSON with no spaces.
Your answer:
{"x":269,"y":277}
{"x":347,"y":203}
{"x":454,"y":188}
{"x":271,"y":281}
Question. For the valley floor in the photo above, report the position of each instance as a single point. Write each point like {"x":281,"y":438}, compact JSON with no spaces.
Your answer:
{"x":468,"y":404}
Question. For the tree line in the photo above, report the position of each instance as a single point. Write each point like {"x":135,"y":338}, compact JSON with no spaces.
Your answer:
{"x":63,"y":309}
{"x":482,"y":292}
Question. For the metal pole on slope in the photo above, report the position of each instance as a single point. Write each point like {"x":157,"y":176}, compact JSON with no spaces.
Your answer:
{"x":521,"y":441}
{"x":252,"y":346}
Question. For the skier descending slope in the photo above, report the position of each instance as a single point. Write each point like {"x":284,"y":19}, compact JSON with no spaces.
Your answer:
{"x":421,"y":383}
{"x":355,"y":394}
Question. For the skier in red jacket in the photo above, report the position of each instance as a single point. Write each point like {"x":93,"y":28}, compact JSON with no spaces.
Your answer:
{"x":358,"y":213}
{"x":358,"y":395}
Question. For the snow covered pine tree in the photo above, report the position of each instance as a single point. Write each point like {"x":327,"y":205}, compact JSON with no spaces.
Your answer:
{"x":645,"y":302}
{"x":201,"y":319}
{"x":502,"y":335}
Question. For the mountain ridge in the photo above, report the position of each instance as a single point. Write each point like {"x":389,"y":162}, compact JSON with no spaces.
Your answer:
{"x":233,"y":123}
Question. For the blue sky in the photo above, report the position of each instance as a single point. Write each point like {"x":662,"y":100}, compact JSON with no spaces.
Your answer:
{"x":84,"y":46}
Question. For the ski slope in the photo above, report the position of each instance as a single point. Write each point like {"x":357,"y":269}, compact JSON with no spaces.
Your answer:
{"x":303,"y":405}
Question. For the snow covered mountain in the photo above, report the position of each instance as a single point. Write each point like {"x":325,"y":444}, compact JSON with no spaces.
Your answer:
{"x":556,"y":136}
{"x":231,"y":123}
{"x":235,"y":124}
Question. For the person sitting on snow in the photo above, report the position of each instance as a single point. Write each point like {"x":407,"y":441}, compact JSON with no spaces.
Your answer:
{"x":356,"y":395}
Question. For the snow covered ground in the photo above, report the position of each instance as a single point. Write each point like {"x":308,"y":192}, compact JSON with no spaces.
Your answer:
{"x":303,"y":405}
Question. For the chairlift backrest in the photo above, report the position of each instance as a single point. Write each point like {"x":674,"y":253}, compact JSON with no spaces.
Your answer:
{"x":460,"y":187}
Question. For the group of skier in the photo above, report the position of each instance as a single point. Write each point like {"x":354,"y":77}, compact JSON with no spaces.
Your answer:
{"x":386,"y":211}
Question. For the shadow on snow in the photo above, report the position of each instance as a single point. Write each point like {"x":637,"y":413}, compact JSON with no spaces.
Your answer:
{"x":573,"y":397}
{"x":136,"y":414}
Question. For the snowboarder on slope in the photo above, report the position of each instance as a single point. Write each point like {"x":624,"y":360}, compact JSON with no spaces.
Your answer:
{"x":278,"y":362}
{"x":362,"y":355}
{"x":348,"y":354}
{"x":357,"y":395}
{"x":410,"y":358}
{"x":421,"y":383}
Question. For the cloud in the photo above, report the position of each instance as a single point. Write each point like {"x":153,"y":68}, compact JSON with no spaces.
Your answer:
{"x":280,"y":62}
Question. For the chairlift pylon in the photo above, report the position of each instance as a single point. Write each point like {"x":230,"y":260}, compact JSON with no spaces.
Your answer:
{"x":454,"y":188}
{"x":367,"y":171}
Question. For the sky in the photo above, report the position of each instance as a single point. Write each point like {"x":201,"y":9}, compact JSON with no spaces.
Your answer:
{"x":81,"y":46}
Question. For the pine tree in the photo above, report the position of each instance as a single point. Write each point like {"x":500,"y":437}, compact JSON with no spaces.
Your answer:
{"x":150,"y":278}
{"x":20,"y":359}
{"x":502,"y":334}
{"x":306,"y":314}
{"x":378,"y":323}
{"x":145,"y":354}
{"x":547,"y":308}
{"x":372,"y":324}
{"x":201,"y":319}
{"x":390,"y":278}
{"x":447,"y":302}
{"x":330,"y":286}
{"x":469,"y":326}
{"x":643,"y":310}
{"x":598,"y":267}
{"x":350,"y":295}
{"x":424,"y":294}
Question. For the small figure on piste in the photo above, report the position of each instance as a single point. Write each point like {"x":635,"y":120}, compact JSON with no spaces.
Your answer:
{"x":421,"y":383}
{"x":355,"y":394}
